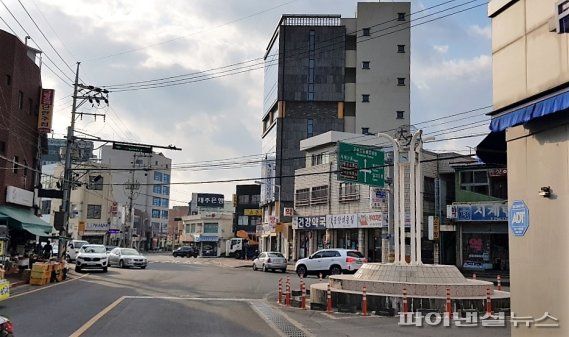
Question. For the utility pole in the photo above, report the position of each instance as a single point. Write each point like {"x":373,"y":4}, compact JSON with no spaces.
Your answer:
{"x":88,"y":93}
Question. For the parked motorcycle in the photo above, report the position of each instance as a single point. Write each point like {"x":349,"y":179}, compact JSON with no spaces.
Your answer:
{"x":6,"y":327}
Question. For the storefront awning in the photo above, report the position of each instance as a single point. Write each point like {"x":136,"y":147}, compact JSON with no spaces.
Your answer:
{"x":24,"y":219}
{"x":493,"y":148}
{"x":538,"y":108}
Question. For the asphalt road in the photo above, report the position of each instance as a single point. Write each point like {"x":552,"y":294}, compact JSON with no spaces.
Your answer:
{"x":188,"y":297}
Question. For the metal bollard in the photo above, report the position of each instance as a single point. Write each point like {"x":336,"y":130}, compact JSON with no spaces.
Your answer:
{"x":329,"y":301}
{"x":287,"y":298}
{"x":320,"y":275}
{"x":303,"y":299}
{"x":405,"y":305}
{"x":499,"y":282}
{"x":474,"y":276}
{"x":488,"y":302}
{"x":448,"y":304}
{"x":364,"y":302}
{"x":280,"y":301}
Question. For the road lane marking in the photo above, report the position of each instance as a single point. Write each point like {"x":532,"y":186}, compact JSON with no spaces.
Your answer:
{"x":97,"y":317}
{"x":47,"y":287}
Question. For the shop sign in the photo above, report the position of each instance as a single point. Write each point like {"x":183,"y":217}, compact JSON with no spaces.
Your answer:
{"x":45,"y":116}
{"x":371,"y":220}
{"x":342,"y":221}
{"x":481,"y":212}
{"x":19,"y":196}
{"x":377,"y":197}
{"x":309,"y":222}
{"x":210,"y":200}
{"x":253,"y":212}
{"x":97,"y":227}
{"x":4,"y":289}
{"x":519,"y":218}
{"x":288,"y":211}
{"x":497,"y":172}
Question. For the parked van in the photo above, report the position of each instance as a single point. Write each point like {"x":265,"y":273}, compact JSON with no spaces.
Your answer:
{"x":73,"y":247}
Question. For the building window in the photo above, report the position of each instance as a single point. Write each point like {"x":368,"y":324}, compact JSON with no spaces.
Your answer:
{"x":25,"y":168}
{"x":155,"y":214}
{"x":164,"y":214}
{"x":365,"y":131}
{"x":157,"y":189}
{"x":319,"y":159}
{"x":166,"y":178}
{"x":165,"y":190}
{"x":302,"y":197}
{"x":2,"y":147}
{"x":30,"y":106}
{"x":21,"y":100}
{"x":210,"y":228}
{"x":401,"y":16}
{"x":243,"y":220}
{"x":309,"y":127}
{"x":244,"y":199}
{"x":93,"y":211}
{"x":256,"y":199}
{"x":157,"y":176}
{"x":475,"y":181}
{"x":165,"y":203}
{"x":311,"y":64}
{"x":155,"y":201}
{"x":400,"y":114}
{"x":400,"y":48}
{"x":349,"y":192}
{"x":16,"y":164}
{"x":95,"y":183}
{"x":319,"y":195}
{"x":8,"y":79}
{"x":366,"y":32}
{"x":365,"y":64}
{"x":46,"y":207}
{"x":365,"y":98}
{"x":401,"y":81}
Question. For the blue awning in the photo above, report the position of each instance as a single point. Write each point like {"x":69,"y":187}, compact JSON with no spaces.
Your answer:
{"x":208,"y":238}
{"x":521,"y":115}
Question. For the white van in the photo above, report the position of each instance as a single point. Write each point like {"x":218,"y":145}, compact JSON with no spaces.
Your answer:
{"x":73,"y":247}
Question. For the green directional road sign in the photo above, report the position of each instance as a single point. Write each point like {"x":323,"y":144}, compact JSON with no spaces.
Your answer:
{"x":132,"y":147}
{"x":360,"y":164}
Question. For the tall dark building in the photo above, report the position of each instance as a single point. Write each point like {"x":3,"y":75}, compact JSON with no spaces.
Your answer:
{"x":328,"y":73}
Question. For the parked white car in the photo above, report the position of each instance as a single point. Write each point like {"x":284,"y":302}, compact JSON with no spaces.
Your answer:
{"x":330,"y":261}
{"x":92,"y":257}
{"x":73,"y":248}
{"x":127,"y":257}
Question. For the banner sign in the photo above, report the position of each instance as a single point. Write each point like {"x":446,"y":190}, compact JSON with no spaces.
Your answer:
{"x":97,"y":227}
{"x":342,"y":221}
{"x":309,"y":222}
{"x":481,"y":212}
{"x":372,"y":220}
{"x":46,"y":110}
{"x":253,"y":212}
{"x":210,"y":200}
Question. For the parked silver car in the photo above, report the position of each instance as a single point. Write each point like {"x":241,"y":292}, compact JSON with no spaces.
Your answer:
{"x":270,"y":261}
{"x":127,"y":257}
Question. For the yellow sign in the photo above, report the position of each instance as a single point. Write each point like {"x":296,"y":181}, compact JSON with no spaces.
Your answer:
{"x":2,"y":248}
{"x":4,"y":290}
{"x":81,"y":227}
{"x":436,"y":228}
{"x":253,"y":212}
{"x":46,"y":110}
{"x":279,"y":228}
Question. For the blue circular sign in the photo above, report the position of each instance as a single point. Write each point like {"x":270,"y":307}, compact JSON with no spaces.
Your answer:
{"x":519,"y":218}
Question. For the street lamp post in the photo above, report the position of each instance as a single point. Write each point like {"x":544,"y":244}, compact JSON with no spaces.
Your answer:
{"x":278,"y":213}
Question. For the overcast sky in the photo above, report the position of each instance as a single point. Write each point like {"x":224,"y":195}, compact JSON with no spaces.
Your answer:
{"x":119,"y":41}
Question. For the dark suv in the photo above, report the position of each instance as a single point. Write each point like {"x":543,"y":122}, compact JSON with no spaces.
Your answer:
{"x":186,"y":251}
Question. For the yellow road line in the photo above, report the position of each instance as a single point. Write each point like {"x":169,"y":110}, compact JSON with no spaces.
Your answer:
{"x":97,"y":317}
{"x":47,"y":287}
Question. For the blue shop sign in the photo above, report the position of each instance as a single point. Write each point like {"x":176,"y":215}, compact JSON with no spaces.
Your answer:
{"x":482,"y":212}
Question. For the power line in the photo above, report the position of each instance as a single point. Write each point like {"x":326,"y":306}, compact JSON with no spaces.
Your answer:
{"x":204,"y":75}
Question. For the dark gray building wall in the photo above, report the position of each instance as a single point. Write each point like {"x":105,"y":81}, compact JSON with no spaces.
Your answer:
{"x":329,"y":63}
{"x":291,"y":130}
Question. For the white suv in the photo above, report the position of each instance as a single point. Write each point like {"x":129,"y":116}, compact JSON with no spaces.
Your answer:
{"x":330,"y":261}
{"x":92,"y":256}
